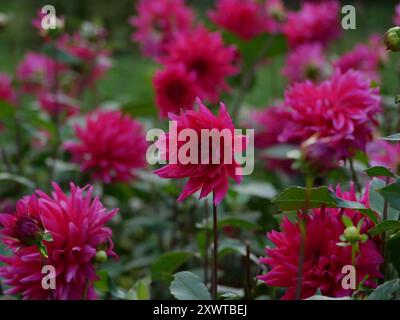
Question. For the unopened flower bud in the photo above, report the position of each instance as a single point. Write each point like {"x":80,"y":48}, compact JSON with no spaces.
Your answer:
{"x":352,"y":234}
{"x":101,"y":256}
{"x":28,"y":230}
{"x":392,"y":39}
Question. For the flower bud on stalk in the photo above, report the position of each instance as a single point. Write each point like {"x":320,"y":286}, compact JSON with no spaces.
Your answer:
{"x":392,"y":39}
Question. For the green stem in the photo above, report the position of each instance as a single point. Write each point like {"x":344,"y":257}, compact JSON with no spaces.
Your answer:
{"x":354,"y":175}
{"x":214,"y":287}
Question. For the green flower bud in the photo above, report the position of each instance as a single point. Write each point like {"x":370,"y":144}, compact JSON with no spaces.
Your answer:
{"x":351,"y":234}
{"x":100,"y":257}
{"x":392,"y":39}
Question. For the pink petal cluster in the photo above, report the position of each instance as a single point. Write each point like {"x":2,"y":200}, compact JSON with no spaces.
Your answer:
{"x":323,"y":258}
{"x":366,"y":58}
{"x":56,"y":103}
{"x":7,"y":93}
{"x":157,"y":22}
{"x":315,"y":22}
{"x":206,"y":178}
{"x":245,"y":18}
{"x":383,"y":153}
{"x":76,"y":223}
{"x":339,"y":112}
{"x":110,"y":146}
{"x":305,"y":62}
{"x":175,"y":88}
{"x":204,"y":54}
{"x":90,"y":53}
{"x":269,"y":125}
{"x":37,"y":72}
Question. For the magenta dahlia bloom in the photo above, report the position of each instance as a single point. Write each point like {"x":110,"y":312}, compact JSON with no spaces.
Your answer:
{"x":323,"y":259}
{"x":315,"y":22}
{"x":175,"y":88}
{"x":203,"y":53}
{"x":76,"y":223}
{"x":245,"y":18}
{"x":37,"y":72}
{"x":366,"y":58}
{"x":383,"y":153}
{"x":111,"y":146}
{"x":7,"y":93}
{"x":207,"y":178}
{"x":340,"y":112}
{"x":305,"y":62}
{"x":157,"y":22}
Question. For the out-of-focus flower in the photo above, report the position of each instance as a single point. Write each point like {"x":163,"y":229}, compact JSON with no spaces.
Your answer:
{"x":176,"y":89}
{"x":75,"y":225}
{"x":276,"y":15}
{"x":39,"y":141}
{"x":392,"y":39}
{"x":396,"y":18}
{"x":315,"y":22}
{"x":305,"y":62}
{"x":37,"y":72}
{"x":323,"y":257}
{"x":37,"y":23}
{"x":366,"y":58}
{"x":269,"y":124}
{"x":157,"y":22}
{"x":92,"y":59}
{"x":4,"y":20}
{"x":57,"y":103}
{"x":7,"y":93}
{"x":207,"y":178}
{"x":110,"y":146}
{"x":383,"y":153}
{"x":340,"y":111}
{"x":203,"y":53}
{"x":245,"y":18}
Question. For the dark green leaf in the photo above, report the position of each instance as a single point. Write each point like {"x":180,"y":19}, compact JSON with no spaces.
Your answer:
{"x":388,"y":291}
{"x":168,"y":263}
{"x":188,"y":286}
{"x":385,"y":226}
{"x":391,"y":193}
{"x":379,"y":171}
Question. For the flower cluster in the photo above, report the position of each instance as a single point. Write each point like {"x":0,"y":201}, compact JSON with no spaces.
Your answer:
{"x":323,"y":257}
{"x":72,"y":230}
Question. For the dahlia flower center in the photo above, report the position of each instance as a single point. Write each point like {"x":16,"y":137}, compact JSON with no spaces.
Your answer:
{"x":28,"y":230}
{"x":176,"y":91}
{"x":200,"y":66}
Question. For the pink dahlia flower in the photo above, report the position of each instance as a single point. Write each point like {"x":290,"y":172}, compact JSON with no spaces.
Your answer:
{"x":175,"y":88}
{"x":90,"y":53}
{"x":203,"y":53}
{"x":396,"y":18}
{"x":366,"y":58}
{"x":315,"y":22}
{"x":110,"y":146}
{"x":245,"y":18}
{"x":305,"y":62}
{"x":7,"y":93}
{"x":269,"y":124}
{"x":323,"y":258}
{"x":383,"y":153}
{"x":76,"y":223}
{"x":157,"y":22}
{"x":211,"y":177}
{"x":340,"y":112}
{"x":37,"y":72}
{"x":57,"y":103}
